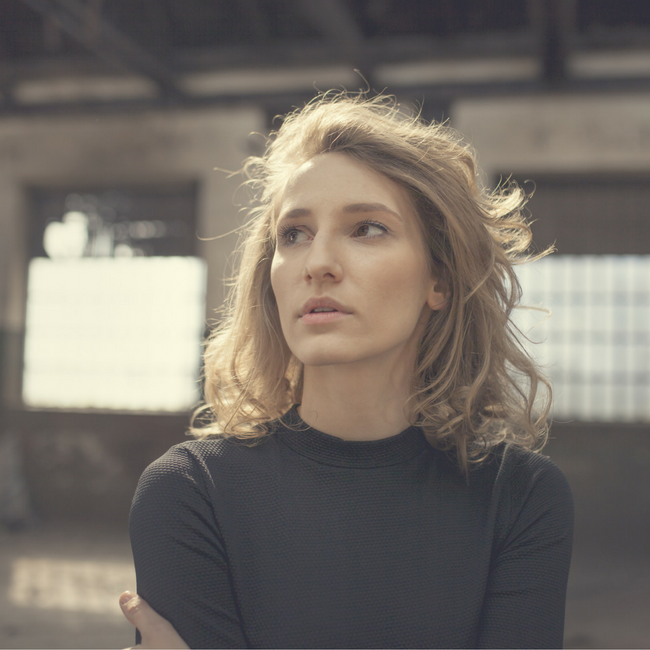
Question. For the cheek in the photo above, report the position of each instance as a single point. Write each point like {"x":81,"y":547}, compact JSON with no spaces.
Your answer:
{"x":406,"y":283}
{"x":276,"y":268}
{"x":279,"y":279}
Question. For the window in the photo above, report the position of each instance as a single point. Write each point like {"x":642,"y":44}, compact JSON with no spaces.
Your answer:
{"x":596,"y":343}
{"x":595,"y":346}
{"x":116,"y":310}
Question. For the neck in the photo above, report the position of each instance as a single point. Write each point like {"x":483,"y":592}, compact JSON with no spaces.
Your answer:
{"x":358,"y":401}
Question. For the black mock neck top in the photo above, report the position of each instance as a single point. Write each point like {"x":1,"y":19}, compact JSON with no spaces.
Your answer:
{"x":310,"y":541}
{"x":330,"y":450}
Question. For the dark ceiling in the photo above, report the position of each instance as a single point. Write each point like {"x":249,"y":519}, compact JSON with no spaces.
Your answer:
{"x":164,"y":39}
{"x":164,"y":26}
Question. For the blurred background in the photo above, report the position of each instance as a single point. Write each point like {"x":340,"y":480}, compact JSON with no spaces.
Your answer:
{"x":114,"y":115}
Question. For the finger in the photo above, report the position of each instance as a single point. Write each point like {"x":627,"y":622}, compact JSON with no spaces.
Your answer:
{"x":133,"y":607}
{"x":156,"y":631}
{"x":140,"y":614}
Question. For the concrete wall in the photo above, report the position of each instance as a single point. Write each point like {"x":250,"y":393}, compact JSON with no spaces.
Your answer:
{"x":84,"y":467}
{"x":124,"y":149}
{"x":558,"y":133}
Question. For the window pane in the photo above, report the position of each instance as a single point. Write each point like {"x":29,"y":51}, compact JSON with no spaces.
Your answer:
{"x":595,"y":345}
{"x":114,"y":333}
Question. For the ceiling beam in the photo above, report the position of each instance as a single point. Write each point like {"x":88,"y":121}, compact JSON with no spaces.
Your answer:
{"x":289,"y":54}
{"x":553,"y":23}
{"x":333,"y":20}
{"x":439,"y":95}
{"x":308,"y":53}
{"x":256,"y":19}
{"x":107,"y":42}
{"x":370,"y":53}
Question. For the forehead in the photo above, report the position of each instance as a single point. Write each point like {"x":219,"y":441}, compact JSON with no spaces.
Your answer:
{"x":338,"y":178}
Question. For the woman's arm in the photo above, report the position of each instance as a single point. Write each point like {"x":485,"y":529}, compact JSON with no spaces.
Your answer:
{"x":526,"y":593}
{"x":181,"y":564}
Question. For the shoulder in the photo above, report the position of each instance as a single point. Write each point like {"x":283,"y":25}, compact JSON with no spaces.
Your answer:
{"x":526,"y":472}
{"x":529,"y":489}
{"x":192,"y":478}
{"x":519,"y":469}
{"x":197,"y":462}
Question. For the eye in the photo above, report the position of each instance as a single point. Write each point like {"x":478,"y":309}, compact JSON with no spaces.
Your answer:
{"x":370,"y":229}
{"x":289,"y":235}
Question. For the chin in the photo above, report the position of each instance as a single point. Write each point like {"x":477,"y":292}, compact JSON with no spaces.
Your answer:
{"x":326,"y":355}
{"x":331,"y":355}
{"x":324,"y":359}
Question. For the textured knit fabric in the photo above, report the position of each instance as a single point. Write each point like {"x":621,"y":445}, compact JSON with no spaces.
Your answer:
{"x":310,"y":541}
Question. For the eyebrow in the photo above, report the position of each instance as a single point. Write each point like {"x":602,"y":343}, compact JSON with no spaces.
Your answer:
{"x":353,"y":208}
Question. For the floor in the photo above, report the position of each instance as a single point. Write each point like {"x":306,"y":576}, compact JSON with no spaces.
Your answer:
{"x":59,"y":589}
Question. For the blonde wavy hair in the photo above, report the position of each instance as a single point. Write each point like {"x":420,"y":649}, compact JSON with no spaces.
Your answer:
{"x":474,"y":385}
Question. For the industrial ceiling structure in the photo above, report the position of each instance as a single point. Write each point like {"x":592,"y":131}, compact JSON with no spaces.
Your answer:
{"x":107,"y":55}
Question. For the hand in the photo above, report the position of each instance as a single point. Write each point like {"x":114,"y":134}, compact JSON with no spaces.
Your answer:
{"x":157,"y":633}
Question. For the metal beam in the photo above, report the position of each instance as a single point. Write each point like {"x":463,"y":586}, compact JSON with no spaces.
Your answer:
{"x":439,"y":95}
{"x":111,"y":44}
{"x":255,"y":18}
{"x":394,"y":49}
{"x":553,"y":23}
{"x":333,"y":20}
{"x":379,"y":51}
{"x":290,"y":54}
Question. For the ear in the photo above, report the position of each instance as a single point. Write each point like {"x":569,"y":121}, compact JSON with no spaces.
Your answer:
{"x":438,"y":295}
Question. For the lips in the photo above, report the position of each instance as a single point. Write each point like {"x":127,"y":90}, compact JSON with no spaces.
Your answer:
{"x":329,"y":303}
{"x":322,"y":317}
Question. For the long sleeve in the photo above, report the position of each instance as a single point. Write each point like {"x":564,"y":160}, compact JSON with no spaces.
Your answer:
{"x":525,"y":600}
{"x":181,"y":566}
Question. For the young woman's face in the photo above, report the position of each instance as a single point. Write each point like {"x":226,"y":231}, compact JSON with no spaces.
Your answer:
{"x":348,"y":240}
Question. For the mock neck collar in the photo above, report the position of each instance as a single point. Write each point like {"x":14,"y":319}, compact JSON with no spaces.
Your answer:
{"x":330,"y":450}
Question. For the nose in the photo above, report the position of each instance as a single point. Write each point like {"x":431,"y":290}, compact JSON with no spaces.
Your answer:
{"x":323,"y":260}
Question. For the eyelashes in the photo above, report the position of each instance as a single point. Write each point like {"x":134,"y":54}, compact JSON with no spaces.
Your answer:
{"x":284,"y":232}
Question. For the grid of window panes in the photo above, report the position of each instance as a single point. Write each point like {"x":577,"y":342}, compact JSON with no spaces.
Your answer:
{"x":114,"y":333}
{"x":595,"y":344}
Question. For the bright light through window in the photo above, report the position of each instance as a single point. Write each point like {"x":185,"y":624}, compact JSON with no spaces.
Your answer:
{"x":596,"y":344}
{"x":114,"y":333}
{"x":70,"y":585}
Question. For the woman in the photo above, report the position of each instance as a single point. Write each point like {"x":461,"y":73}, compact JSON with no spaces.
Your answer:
{"x":367,"y":475}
